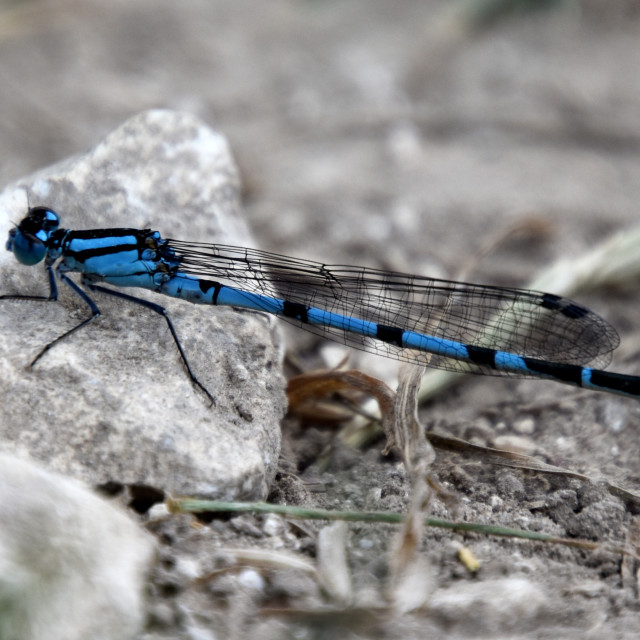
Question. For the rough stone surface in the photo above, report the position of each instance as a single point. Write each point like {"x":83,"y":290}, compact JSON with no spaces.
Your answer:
{"x":385,"y":134}
{"x":113,"y":402}
{"x":72,"y":566}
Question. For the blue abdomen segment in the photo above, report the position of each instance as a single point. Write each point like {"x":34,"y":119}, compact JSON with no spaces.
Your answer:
{"x":202,"y":291}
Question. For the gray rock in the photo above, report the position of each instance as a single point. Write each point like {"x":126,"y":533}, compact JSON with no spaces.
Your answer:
{"x":72,"y":566}
{"x":113,"y":402}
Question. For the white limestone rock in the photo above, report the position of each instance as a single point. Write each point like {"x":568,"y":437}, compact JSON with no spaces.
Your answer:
{"x":113,"y":402}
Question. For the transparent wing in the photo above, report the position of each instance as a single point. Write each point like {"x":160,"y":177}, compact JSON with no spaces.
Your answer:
{"x":527,"y":323}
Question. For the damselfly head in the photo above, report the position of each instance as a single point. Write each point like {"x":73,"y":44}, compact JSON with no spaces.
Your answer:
{"x":28,"y":241}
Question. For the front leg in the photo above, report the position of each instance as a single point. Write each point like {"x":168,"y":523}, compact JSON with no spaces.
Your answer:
{"x":163,"y":312}
{"x":53,"y":288}
{"x":53,"y":296}
{"x":95,"y":310}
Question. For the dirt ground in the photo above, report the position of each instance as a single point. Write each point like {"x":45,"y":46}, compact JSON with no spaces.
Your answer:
{"x":408,"y":136}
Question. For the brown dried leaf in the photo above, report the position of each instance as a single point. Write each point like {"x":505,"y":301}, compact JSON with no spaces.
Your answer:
{"x":310,"y":395}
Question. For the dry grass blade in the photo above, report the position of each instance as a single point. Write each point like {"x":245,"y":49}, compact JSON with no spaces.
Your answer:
{"x":194,"y":505}
{"x":333,"y":569}
{"x":527,"y":463}
{"x":629,"y":569}
{"x":408,"y":434}
{"x":410,"y":581}
{"x":263,"y":559}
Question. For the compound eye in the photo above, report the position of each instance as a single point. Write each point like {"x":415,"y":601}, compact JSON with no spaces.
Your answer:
{"x":30,"y":238}
{"x":27,"y":248}
{"x":41,"y":219}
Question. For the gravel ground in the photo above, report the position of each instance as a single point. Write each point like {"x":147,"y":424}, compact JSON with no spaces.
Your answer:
{"x":408,"y":136}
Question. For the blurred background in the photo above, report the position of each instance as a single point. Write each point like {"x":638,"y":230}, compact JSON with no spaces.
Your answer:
{"x":468,"y":139}
{"x":398,"y":134}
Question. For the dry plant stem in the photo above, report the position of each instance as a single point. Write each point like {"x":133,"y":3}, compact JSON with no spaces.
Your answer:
{"x":195,"y":505}
{"x":417,"y":456}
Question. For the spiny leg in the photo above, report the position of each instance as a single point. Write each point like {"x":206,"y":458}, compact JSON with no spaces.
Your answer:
{"x":163,"y":312}
{"x":95,"y":312}
{"x":52,"y":297}
{"x":53,"y":290}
